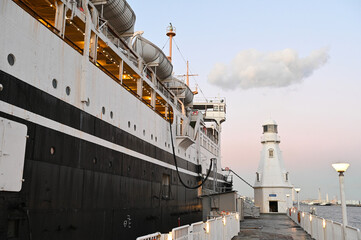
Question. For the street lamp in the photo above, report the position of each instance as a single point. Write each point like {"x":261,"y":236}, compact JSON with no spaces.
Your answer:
{"x":298,"y":202}
{"x":288,"y":202}
{"x":341,"y":168}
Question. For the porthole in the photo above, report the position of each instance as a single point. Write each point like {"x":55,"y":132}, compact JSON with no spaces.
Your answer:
{"x":128,"y":124}
{"x":67,"y":90}
{"x":55,"y":83}
{"x":103,"y":110}
{"x":11,"y":59}
{"x":95,"y":160}
{"x":52,"y":150}
{"x":143,"y":132}
{"x":111,"y":114}
{"x":135,"y":127}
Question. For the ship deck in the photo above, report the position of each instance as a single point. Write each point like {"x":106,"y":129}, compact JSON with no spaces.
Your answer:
{"x":271,"y":226}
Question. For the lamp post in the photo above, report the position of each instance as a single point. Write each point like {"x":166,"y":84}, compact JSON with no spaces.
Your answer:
{"x":341,"y":168}
{"x":288,"y":202}
{"x":298,"y":202}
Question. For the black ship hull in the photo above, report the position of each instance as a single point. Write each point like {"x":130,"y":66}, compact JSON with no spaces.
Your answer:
{"x":78,"y":189}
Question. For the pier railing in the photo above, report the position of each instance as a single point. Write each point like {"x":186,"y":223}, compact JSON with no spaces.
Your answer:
{"x":220,"y":228}
{"x":322,"y":229}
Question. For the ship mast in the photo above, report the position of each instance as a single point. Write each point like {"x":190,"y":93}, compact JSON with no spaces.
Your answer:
{"x":170,"y":34}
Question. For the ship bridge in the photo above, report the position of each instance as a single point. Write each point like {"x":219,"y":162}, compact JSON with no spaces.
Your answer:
{"x":214,"y":109}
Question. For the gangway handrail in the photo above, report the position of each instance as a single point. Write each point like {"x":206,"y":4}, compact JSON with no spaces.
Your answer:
{"x":230,"y":170}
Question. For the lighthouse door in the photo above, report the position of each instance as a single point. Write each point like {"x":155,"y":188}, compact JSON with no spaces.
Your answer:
{"x":273,"y":206}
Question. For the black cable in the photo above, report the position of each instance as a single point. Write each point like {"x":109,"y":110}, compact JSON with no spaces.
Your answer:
{"x":176,"y":165}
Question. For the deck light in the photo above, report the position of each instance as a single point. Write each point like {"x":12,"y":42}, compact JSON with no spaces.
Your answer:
{"x":310,"y":218}
{"x":324,"y":223}
{"x":224,"y":220}
{"x":303,"y":214}
{"x":207,"y":227}
{"x":170,"y":236}
{"x":237,"y":216}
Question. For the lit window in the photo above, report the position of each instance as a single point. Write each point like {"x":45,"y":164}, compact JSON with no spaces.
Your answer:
{"x":270,"y":153}
{"x":166,"y":186}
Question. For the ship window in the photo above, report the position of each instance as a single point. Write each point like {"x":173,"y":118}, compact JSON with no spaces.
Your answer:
{"x":151,"y":136}
{"x":128,"y":124}
{"x":111,"y":114}
{"x":264,"y":129}
{"x":95,"y":160}
{"x":221,"y":108}
{"x":166,"y":186}
{"x":11,"y":59}
{"x":270,"y":153}
{"x":215,"y":108}
{"x":286,"y":176}
{"x":87,"y":102}
{"x":110,"y":164}
{"x":103,"y":110}
{"x":156,"y":139}
{"x":257,"y":177}
{"x":55,"y":83}
{"x":67,"y":90}
{"x":143,"y":132}
{"x":52,"y":150}
{"x":135,"y":127}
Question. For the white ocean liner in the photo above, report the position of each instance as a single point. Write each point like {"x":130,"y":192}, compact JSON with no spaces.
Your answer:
{"x":97,"y":139}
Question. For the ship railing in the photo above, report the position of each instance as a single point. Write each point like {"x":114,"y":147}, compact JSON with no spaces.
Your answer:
{"x":322,"y":229}
{"x":220,"y":228}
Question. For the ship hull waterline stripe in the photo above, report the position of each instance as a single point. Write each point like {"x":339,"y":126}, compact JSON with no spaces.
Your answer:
{"x":45,"y":122}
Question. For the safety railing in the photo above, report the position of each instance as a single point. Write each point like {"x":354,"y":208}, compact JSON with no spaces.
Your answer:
{"x":153,"y":236}
{"x":220,"y":228}
{"x":322,"y":229}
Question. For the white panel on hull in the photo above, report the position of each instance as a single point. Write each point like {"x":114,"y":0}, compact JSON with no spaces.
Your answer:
{"x":12,"y":154}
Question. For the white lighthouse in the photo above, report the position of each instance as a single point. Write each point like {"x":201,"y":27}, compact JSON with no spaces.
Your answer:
{"x":272,"y":188}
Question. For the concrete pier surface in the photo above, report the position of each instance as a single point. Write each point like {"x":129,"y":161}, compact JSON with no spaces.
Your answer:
{"x":271,"y":226}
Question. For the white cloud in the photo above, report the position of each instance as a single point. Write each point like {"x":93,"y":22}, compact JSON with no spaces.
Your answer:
{"x":254,"y":69}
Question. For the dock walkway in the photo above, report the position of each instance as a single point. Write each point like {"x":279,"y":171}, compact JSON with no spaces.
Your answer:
{"x":271,"y":226}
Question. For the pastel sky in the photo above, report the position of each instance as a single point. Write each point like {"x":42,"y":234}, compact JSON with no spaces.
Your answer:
{"x":298,"y":62}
